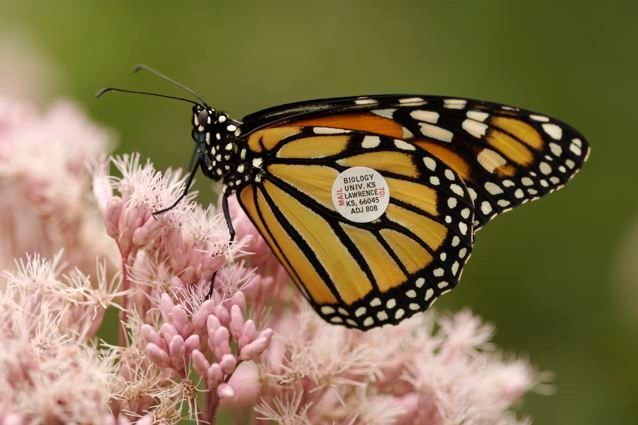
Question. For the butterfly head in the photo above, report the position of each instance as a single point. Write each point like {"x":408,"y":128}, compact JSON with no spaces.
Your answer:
{"x":217,"y":138}
{"x":211,"y":127}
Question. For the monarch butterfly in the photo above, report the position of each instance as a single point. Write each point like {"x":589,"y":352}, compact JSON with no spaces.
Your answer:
{"x":371,"y":203}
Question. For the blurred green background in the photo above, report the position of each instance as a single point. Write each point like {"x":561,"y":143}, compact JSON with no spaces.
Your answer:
{"x":558,"y":278}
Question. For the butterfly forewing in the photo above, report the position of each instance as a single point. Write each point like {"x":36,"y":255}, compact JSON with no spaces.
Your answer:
{"x":506,"y":156}
{"x":359,"y":274}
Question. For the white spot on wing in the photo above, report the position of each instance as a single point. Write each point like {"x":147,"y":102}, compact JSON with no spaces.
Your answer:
{"x":486,"y":208}
{"x":493,"y":188}
{"x":456,"y":189}
{"x":477,"y":115}
{"x":576,"y":149}
{"x":555,"y":148}
{"x":409,"y":100}
{"x":475,"y":128}
{"x":370,"y":142}
{"x":554,"y":131}
{"x":428,"y":294}
{"x":427,"y":116}
{"x":329,"y":130}
{"x":365,"y":101}
{"x":490,"y":160}
{"x":407,"y":134}
{"x":454,"y":103}
{"x":436,"y":132}
{"x":326,"y":309}
{"x":539,"y":118}
{"x":385,"y":113}
{"x":429,"y":163}
{"x":400,"y":144}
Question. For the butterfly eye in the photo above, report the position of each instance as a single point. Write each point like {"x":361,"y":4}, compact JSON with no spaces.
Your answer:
{"x":202,"y":117}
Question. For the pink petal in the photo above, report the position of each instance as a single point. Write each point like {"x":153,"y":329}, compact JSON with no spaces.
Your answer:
{"x":177,"y":351}
{"x":157,"y":355}
{"x":254,"y":349}
{"x":191,"y":343}
{"x":248,"y":334}
{"x":201,"y":315}
{"x":222,"y":315}
{"x":228,"y":363}
{"x":239,"y":299}
{"x":200,"y":363}
{"x":180,"y":320}
{"x":236,"y":321}
{"x":221,"y":342}
{"x":149,"y":334}
{"x":166,"y":306}
{"x":214,"y":375}
{"x":167,"y":331}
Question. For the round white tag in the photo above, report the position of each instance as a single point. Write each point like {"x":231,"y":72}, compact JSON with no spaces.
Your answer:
{"x":360,"y":194}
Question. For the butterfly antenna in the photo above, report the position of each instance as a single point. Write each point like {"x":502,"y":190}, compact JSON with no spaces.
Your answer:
{"x":104,"y":90}
{"x":143,"y":67}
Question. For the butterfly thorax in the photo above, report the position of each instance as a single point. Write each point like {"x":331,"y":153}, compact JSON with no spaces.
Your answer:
{"x":223,"y":153}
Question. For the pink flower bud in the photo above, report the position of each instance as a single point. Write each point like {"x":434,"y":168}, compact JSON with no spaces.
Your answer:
{"x":166,"y":306}
{"x":157,"y":355}
{"x":180,"y":320}
{"x":216,"y":297}
{"x":236,"y":321}
{"x":239,"y":299}
{"x":246,"y":384}
{"x":112,"y":216}
{"x":177,"y":351}
{"x":214,"y":375}
{"x":254,"y":349}
{"x":201,"y":315}
{"x":131,"y":219}
{"x":191,"y":344}
{"x":228,"y":363}
{"x":212,"y":323}
{"x":222,"y":315}
{"x":149,"y":334}
{"x":248,"y":334}
{"x":167,"y":331}
{"x":147,"y":232}
{"x":200,"y":363}
{"x":225,"y":391}
{"x":266,"y":333}
{"x":221,"y":342}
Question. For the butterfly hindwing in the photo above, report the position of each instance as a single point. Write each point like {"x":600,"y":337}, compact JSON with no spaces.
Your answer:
{"x":359,"y":274}
{"x":506,"y":156}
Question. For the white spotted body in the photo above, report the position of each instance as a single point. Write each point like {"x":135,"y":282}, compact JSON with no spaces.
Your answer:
{"x":224,"y":154}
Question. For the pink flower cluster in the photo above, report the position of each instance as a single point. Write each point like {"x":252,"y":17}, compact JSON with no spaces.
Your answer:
{"x":254,"y":348}
{"x":215,"y":339}
{"x":44,"y":181}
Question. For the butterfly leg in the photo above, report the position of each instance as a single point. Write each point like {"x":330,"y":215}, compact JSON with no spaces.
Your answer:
{"x":187,"y":187}
{"x":195,"y":158}
{"x":231,"y":232}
